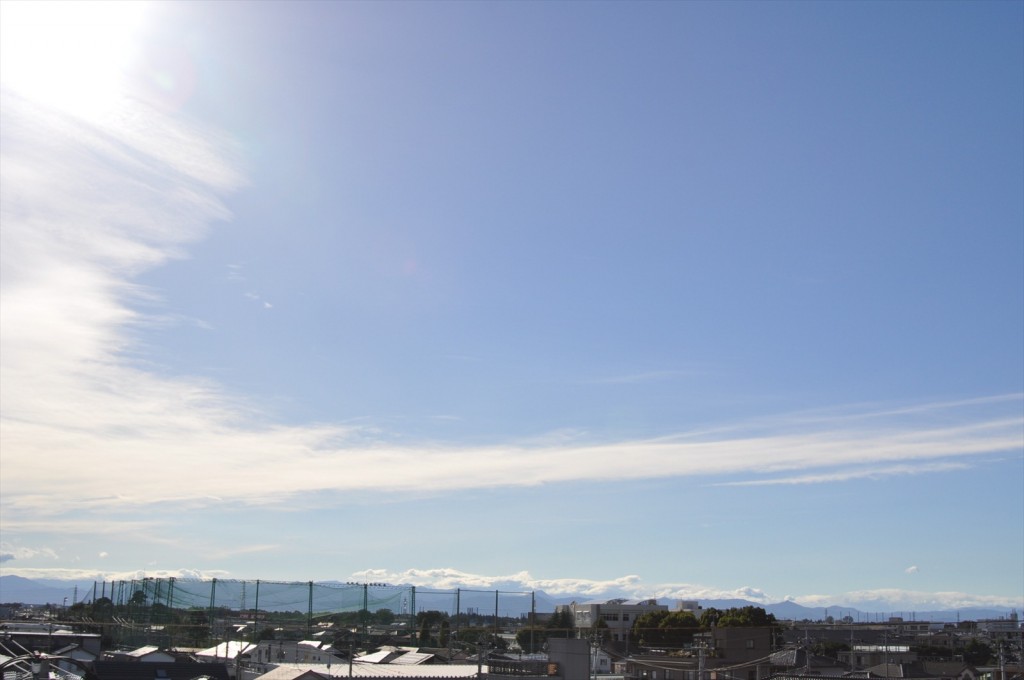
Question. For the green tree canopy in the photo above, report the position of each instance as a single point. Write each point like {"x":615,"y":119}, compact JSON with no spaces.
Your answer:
{"x":745,"y":617}
{"x":709,"y":618}
{"x":444,"y":634}
{"x":561,"y":624}
{"x":977,"y":653}
{"x":531,"y":639}
{"x":664,"y":629}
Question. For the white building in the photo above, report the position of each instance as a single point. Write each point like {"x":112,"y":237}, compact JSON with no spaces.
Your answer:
{"x":618,"y":615}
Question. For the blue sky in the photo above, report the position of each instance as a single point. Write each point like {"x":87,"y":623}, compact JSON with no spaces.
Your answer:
{"x":675,"y":299}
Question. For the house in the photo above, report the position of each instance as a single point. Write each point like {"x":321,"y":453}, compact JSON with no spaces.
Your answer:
{"x":229,"y":651}
{"x":951,"y":670}
{"x":156,"y":670}
{"x":898,"y":670}
{"x":41,"y":639}
{"x":292,"y":651}
{"x":865,"y":656}
{"x":740,"y":644}
{"x":799,"y":660}
{"x":75,"y":659}
{"x":1008,"y":630}
{"x":661,"y":667}
{"x":147,"y":654}
{"x":305,"y":671}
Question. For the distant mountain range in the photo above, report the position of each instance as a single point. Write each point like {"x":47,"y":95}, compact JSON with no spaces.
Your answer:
{"x":58,"y":592}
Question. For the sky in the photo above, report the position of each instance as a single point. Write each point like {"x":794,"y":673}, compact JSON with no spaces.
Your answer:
{"x":674,"y":299}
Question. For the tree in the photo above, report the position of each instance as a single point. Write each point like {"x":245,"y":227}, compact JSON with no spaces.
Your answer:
{"x":932,"y":652}
{"x":663,"y":629}
{"x":977,"y":653}
{"x":561,"y":624}
{"x":745,"y":617}
{"x":102,"y":609}
{"x":444,"y":634}
{"x":197,"y":627}
{"x":709,"y":618}
{"x":431,"y":617}
{"x":160,"y":613}
{"x":265,"y":633}
{"x":531,"y":639}
{"x":385,"y":617}
{"x":427,"y":621}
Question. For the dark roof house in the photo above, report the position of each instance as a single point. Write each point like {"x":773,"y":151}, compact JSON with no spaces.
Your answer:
{"x":181,"y":670}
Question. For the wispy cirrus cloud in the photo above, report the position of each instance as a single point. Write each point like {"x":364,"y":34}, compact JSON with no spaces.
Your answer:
{"x":90,"y":202}
{"x":849,"y":474}
{"x":271,"y":464}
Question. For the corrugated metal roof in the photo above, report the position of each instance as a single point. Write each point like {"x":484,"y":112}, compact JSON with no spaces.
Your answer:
{"x":227,"y":650}
{"x":412,"y":658}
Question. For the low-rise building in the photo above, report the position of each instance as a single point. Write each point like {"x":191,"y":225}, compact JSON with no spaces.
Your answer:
{"x":617,"y":615}
{"x":865,"y":656}
{"x":146,"y":654}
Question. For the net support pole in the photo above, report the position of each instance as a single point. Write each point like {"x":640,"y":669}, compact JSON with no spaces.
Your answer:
{"x":309,"y":619}
{"x":213,"y":602}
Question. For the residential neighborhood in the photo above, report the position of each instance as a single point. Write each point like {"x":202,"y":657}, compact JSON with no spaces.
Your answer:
{"x":145,"y":632}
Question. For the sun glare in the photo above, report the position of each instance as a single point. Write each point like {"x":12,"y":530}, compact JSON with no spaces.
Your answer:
{"x":69,"y":54}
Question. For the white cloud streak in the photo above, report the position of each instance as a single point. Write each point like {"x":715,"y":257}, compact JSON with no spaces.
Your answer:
{"x":846,"y":475}
{"x":10,"y":552}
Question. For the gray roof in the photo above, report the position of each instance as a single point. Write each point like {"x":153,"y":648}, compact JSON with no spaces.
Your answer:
{"x":799,"y":657}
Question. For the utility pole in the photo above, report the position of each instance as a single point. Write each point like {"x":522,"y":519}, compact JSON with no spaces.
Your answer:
{"x":40,"y":668}
{"x":481,"y":651}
